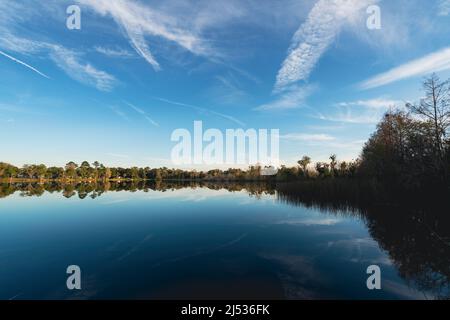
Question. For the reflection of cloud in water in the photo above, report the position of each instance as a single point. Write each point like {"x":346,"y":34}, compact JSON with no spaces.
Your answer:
{"x":181,"y":195}
{"x":401,"y":290}
{"x":360,"y":250}
{"x":354,"y":242}
{"x":311,"y":222}
{"x":297,"y":274}
{"x":251,"y":200}
{"x":188,"y":194}
{"x":90,"y":288}
{"x":15,"y":296}
{"x":202,"y":251}
{"x":136,"y":247}
{"x":115,"y":201}
{"x":382,"y":259}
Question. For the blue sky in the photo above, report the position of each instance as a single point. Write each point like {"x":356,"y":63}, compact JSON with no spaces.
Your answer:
{"x":115,"y":90}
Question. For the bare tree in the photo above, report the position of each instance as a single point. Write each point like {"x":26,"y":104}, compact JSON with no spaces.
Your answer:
{"x":435,"y":107}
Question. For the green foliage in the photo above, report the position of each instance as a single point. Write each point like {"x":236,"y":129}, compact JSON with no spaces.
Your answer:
{"x":408,"y":151}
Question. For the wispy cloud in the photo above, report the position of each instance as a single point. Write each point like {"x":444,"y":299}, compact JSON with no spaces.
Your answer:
{"x":307,"y":137}
{"x":444,"y":8}
{"x":69,"y":61}
{"x":85,"y":73}
{"x":119,"y":112}
{"x":24,"y":64}
{"x":114,"y":52}
{"x":349,"y":117}
{"x":202,"y":110}
{"x":228,"y":89}
{"x":118,"y":155}
{"x":139,"y":21}
{"x":368,"y":111}
{"x":378,"y":103}
{"x":143,"y":113}
{"x":8,"y":120}
{"x":313,"y":38}
{"x":310,"y":42}
{"x":292,"y":98}
{"x":311,"y":222}
{"x":434,"y":62}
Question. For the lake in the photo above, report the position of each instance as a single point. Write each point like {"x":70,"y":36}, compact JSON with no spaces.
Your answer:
{"x":212,"y":242}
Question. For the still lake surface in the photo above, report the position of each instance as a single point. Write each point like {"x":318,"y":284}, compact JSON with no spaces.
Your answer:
{"x":202,"y":243}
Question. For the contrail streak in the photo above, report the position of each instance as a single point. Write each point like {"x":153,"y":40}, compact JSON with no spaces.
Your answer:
{"x":24,"y":64}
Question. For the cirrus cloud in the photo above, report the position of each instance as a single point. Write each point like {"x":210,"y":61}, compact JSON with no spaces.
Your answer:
{"x":433,"y":62}
{"x":315,"y":36}
{"x":139,"y":21}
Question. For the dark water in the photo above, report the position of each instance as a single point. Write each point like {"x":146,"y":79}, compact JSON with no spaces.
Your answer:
{"x":158,"y":243}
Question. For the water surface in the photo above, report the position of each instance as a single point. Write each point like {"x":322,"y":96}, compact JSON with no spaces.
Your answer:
{"x":190,"y":243}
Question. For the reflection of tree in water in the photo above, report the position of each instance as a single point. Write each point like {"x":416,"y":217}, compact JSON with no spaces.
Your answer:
{"x":94,"y":190}
{"x":418,"y":242}
{"x":416,"y":236}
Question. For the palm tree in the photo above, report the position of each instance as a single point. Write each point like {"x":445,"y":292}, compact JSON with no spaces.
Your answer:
{"x":303,"y":163}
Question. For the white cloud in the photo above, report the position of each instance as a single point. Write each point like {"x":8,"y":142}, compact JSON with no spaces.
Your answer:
{"x":143,"y":113}
{"x":70,"y":63}
{"x":316,"y":34}
{"x":67,"y":60}
{"x":368,"y":111}
{"x":114,"y":52}
{"x":434,"y":62}
{"x":292,"y":98}
{"x":444,"y":8}
{"x":20,"y":45}
{"x":311,"y":222}
{"x":24,"y":64}
{"x":307,"y":137}
{"x":228,"y":90}
{"x":202,"y":110}
{"x":378,"y":103}
{"x":118,"y":155}
{"x":309,"y":43}
{"x":119,"y":112}
{"x":139,"y":21}
{"x":350,"y":117}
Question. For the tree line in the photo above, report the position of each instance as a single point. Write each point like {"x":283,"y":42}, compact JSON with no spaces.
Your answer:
{"x":410,"y":149}
{"x":98,"y":172}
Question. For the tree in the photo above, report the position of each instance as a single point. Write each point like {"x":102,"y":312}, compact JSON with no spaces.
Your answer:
{"x":71,"y":165}
{"x":158,"y":175}
{"x":29,"y":170}
{"x":303,"y":163}
{"x":108,"y":174}
{"x":134,"y":173}
{"x":85,"y":170}
{"x":400,"y":152}
{"x":54,"y":173}
{"x":333,"y":164}
{"x":8,"y":171}
{"x":96,"y":164}
{"x":435,"y":107}
{"x":70,"y":169}
{"x":323,"y":169}
{"x":40,"y":171}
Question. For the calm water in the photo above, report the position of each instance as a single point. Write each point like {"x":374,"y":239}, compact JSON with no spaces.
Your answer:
{"x":203,"y":243}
